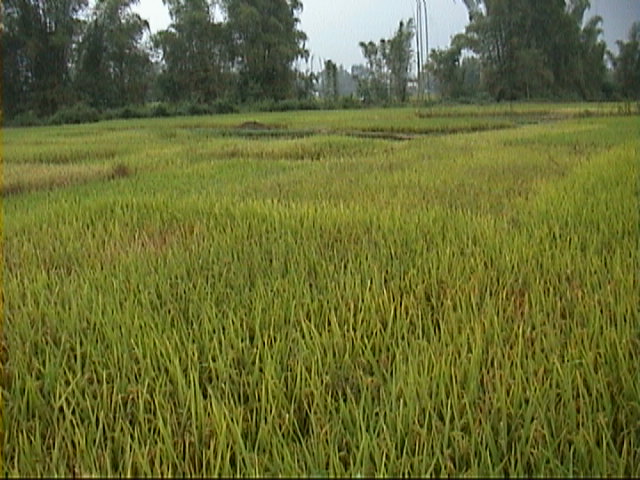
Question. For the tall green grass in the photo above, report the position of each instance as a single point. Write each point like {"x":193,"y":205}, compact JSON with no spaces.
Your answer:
{"x":328,"y":305}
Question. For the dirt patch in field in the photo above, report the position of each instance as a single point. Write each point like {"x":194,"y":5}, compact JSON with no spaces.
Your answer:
{"x":382,"y":135}
{"x":255,"y":126}
{"x":119,"y":171}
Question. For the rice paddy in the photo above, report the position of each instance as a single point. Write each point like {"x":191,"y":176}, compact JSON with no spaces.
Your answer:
{"x":416,"y":292}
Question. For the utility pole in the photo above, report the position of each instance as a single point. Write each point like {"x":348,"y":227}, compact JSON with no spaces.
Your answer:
{"x":419,"y":48}
{"x":426,"y":45}
{"x":422,"y":43}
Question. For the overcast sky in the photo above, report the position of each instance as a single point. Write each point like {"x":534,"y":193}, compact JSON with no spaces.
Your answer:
{"x":334,"y":28}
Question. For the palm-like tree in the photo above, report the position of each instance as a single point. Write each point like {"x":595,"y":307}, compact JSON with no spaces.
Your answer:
{"x":473,"y":6}
{"x":422,"y":35}
{"x":422,"y":41}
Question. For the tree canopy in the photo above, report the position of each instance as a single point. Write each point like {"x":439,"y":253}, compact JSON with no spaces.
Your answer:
{"x":265,"y":42}
{"x":627,"y":63}
{"x":195,"y":61}
{"x":113,"y":67}
{"x":388,"y":65}
{"x":101,"y":55}
{"x":528,"y":49}
{"x":38,"y":39}
{"x":62,"y":52}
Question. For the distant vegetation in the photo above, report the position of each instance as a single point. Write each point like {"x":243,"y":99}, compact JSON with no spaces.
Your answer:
{"x":524,"y":49}
{"x":65,"y":61}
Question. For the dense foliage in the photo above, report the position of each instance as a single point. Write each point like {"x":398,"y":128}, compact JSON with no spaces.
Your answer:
{"x":62,"y":58}
{"x":58,"y":53}
{"x":535,"y":49}
{"x":37,"y":43}
{"x":113,"y":68}
{"x":386,"y":75}
{"x":627,"y":63}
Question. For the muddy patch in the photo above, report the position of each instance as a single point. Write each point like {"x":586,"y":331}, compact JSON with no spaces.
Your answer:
{"x":252,"y":125}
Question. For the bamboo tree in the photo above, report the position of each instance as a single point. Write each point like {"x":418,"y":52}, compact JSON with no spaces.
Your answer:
{"x":114,"y":68}
{"x":195,"y":53}
{"x":265,"y":43}
{"x":37,"y":51}
{"x":627,"y":64}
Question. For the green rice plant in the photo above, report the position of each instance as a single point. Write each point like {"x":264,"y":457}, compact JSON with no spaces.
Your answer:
{"x":327,"y":305}
{"x":19,"y":178}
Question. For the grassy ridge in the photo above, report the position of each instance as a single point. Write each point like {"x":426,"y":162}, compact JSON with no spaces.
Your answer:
{"x":329,"y":305}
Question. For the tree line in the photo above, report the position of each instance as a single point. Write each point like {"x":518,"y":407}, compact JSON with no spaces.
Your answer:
{"x":61,"y":53}
{"x":523,"y":49}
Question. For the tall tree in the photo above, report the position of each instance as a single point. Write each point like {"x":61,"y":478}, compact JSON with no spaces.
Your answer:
{"x":398,"y":59}
{"x":194,"y":49}
{"x":537,"y":48}
{"x":372,"y":79}
{"x":592,"y":69}
{"x":627,"y":64}
{"x":473,"y":6}
{"x":113,"y":68}
{"x":266,"y":41}
{"x":513,"y":61}
{"x":445,"y":65}
{"x":330,"y":80}
{"x":306,"y":81}
{"x":386,"y":74}
{"x":37,"y":52}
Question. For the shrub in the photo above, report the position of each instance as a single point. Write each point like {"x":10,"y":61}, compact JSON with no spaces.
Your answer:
{"x":193,"y":108}
{"x":131,"y":111}
{"x":25,"y":119}
{"x":224,"y":106}
{"x":160,"y":109}
{"x":78,"y":113}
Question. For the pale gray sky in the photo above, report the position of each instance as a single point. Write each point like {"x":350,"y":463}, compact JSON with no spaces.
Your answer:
{"x":334,"y":29}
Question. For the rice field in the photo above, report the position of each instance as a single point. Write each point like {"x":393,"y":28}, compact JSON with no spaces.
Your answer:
{"x":442,"y":292}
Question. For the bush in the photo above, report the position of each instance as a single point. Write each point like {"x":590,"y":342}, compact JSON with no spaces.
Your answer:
{"x":78,"y":113}
{"x":309,"y":104}
{"x":349,"y":102}
{"x":131,"y":111}
{"x":224,"y":106}
{"x":160,"y":109}
{"x":25,"y":119}
{"x":263,"y":106}
{"x":286,"y":105}
{"x":193,"y":108}
{"x":125,"y":112}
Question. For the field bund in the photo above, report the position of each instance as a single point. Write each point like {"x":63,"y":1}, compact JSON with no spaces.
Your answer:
{"x":420,"y":292}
